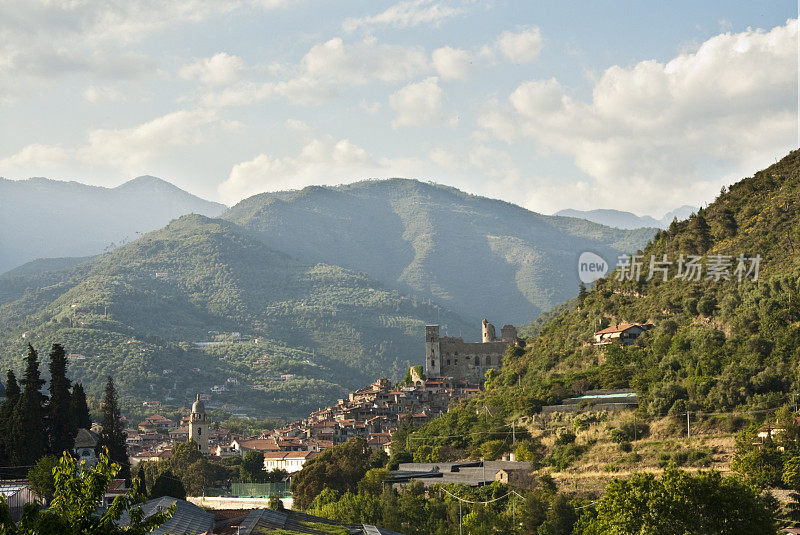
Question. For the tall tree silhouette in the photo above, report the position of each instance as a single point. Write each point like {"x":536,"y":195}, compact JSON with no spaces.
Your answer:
{"x":79,"y":409}
{"x":6,"y":414}
{"x":112,"y":435}
{"x":28,"y":433}
{"x":60,"y":428}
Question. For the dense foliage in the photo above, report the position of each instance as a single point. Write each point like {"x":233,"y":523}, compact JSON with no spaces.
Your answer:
{"x":718,"y":346}
{"x":681,"y":504}
{"x":77,"y":490}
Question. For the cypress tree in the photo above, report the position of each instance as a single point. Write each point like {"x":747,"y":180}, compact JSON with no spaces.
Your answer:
{"x":60,"y":427}
{"x":6,"y":413}
{"x":79,"y":409}
{"x":112,"y":435}
{"x":28,"y":433}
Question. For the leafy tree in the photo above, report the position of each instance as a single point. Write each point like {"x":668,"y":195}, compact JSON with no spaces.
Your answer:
{"x":678,"y":503}
{"x":166,"y":484}
{"x":275,"y":502}
{"x":79,"y":409}
{"x":41,"y":476}
{"x":28,"y":431}
{"x":339,"y":468}
{"x":253,"y":467}
{"x":112,"y":435}
{"x":77,"y":491}
{"x":761,"y":464}
{"x":61,"y":428}
{"x":374,"y":480}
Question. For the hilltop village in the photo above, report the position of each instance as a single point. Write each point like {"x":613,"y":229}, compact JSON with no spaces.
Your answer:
{"x":453,"y":370}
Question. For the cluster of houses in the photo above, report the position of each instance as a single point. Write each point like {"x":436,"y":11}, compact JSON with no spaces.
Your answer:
{"x":372,"y":413}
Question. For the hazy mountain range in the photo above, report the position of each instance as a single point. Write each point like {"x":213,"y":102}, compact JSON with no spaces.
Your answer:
{"x":477,"y":256}
{"x":51,"y":218}
{"x":628,"y":220}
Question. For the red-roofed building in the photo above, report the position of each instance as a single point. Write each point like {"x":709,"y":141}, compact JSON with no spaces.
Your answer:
{"x":626,"y":333}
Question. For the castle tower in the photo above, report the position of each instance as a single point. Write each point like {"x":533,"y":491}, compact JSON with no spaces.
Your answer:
{"x":488,"y":332}
{"x":509,"y":333}
{"x":433,"y":353}
{"x":198,"y":425}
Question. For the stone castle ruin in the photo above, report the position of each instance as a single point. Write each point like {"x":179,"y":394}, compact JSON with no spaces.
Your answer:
{"x":448,"y":356}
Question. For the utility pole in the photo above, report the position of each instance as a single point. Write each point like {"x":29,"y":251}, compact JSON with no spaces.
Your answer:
{"x":460,"y":532}
{"x":513,"y":434}
{"x":635,"y":430}
{"x":688,"y":430}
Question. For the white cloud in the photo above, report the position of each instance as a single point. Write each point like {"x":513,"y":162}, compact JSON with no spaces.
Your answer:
{"x":322,"y":161}
{"x":43,"y":40}
{"x":219,"y":69}
{"x":451,"y":63}
{"x":406,"y":14}
{"x":100,"y":94}
{"x":126,"y":149}
{"x":325,"y":69}
{"x":521,"y":47}
{"x":363,"y":61}
{"x":297,"y":125}
{"x":418,"y":104}
{"x":371,"y":107}
{"x":667,"y":130}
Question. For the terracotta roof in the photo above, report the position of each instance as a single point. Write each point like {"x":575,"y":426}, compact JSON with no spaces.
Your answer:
{"x":260,"y":444}
{"x":281,"y":455}
{"x":618,"y":328}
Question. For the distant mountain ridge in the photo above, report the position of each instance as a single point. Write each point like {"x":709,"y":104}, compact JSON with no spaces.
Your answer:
{"x":479,"y":257}
{"x":628,"y":220}
{"x":42,"y":218}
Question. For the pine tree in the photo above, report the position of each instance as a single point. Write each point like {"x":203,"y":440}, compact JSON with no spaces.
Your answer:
{"x":728,"y":223}
{"x":28,"y":433}
{"x":112,"y":435}
{"x":702,"y":233}
{"x":6,"y":414}
{"x":79,"y":409}
{"x":61,"y":430}
{"x":582,"y":293}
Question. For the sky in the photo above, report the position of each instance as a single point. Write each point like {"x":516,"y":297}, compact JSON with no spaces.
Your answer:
{"x":632,"y":105}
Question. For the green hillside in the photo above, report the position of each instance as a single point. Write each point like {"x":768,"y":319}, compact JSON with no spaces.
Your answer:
{"x":138,"y":313}
{"x":477,"y":256}
{"x":718,"y":347}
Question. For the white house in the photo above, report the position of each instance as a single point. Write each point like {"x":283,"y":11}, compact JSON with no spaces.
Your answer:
{"x":291,"y":461}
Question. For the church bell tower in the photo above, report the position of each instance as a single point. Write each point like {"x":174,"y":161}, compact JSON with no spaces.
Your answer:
{"x":198,"y":425}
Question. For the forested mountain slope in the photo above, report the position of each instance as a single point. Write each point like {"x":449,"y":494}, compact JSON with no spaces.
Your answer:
{"x":50,"y":218}
{"x":479,"y":257}
{"x":139,"y":311}
{"x":718,"y":345}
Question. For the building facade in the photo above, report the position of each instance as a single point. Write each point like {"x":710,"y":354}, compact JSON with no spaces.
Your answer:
{"x":447,"y":356}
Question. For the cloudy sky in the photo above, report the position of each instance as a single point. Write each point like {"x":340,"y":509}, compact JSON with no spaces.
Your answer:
{"x":639,"y":106}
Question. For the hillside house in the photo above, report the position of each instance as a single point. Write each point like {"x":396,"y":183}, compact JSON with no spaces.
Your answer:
{"x":626,"y":333}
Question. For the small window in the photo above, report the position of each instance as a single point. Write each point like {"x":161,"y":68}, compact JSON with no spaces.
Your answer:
{"x":199,"y":431}
{"x":448,"y":362}
{"x":456,"y":362}
{"x":433,"y":363}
